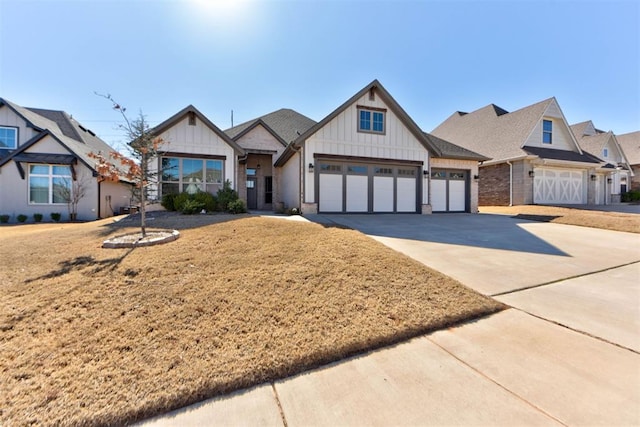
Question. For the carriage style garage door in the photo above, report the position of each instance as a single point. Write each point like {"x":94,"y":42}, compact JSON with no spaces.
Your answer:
{"x":449,"y":190}
{"x":558,"y":186}
{"x":367,"y":188}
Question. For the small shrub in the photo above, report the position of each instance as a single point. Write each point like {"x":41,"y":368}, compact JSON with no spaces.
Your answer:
{"x":4,"y":219}
{"x":168,"y":201}
{"x":236,"y":206}
{"x":191,"y":207}
{"x":56,"y":216}
{"x":180,"y":199}
{"x":37,"y":217}
{"x":631,"y":196}
{"x":21,"y":218}
{"x":207,"y":199}
{"x":225,"y":196}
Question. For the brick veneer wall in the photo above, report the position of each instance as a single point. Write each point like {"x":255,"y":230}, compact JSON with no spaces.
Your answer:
{"x":635,"y":180}
{"x":494,"y":185}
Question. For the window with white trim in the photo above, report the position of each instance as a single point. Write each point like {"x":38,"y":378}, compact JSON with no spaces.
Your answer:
{"x":547,"y":131}
{"x":181,"y":174}
{"x":8,"y":138}
{"x":605,"y":153}
{"x":49,"y":184}
{"x":370,"y":121}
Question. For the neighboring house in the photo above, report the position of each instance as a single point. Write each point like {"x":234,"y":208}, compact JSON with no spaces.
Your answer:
{"x":369,"y":156}
{"x":264,"y":139}
{"x":605,"y":146}
{"x":630,"y":143}
{"x":535,"y":158}
{"x":44,"y":154}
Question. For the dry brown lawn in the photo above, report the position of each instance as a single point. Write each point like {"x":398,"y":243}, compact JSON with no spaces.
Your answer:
{"x":92,"y":336}
{"x":596,"y":219}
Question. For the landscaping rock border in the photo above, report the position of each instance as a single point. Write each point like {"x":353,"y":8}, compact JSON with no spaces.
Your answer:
{"x":134,"y":240}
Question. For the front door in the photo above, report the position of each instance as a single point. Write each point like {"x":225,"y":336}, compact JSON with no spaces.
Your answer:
{"x":252,"y":193}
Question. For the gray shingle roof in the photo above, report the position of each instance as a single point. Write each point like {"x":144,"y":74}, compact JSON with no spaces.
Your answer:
{"x":452,"y":151}
{"x":571,"y":156}
{"x":630,"y":143}
{"x":491,"y":131}
{"x":287,"y":124}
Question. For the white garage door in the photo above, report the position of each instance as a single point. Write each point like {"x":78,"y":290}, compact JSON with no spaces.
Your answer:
{"x":357,"y":187}
{"x":558,"y":186}
{"x":449,"y":190}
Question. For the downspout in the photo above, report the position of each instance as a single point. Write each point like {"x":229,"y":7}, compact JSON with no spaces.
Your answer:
{"x":99,"y":197}
{"x":510,"y":183}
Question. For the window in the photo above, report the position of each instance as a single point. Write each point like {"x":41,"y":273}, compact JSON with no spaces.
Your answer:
{"x":49,"y":184}
{"x":330,"y":168}
{"x":547,"y":131}
{"x":191,"y":175}
{"x":406,"y":172}
{"x":382,"y":171}
{"x":370,"y":121}
{"x":268,"y":189}
{"x":357,"y":169}
{"x":8,"y":138}
{"x":605,"y":152}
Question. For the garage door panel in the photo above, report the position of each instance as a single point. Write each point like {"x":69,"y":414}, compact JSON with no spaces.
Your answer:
{"x":406,"y":194}
{"x":330,"y":199}
{"x":357,"y":193}
{"x":457,"y":196}
{"x":382,"y":194}
{"x":439,"y":195}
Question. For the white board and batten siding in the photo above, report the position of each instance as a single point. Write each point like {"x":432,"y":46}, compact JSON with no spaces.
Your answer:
{"x":561,"y":133}
{"x":195,"y":140}
{"x":340,"y":137}
{"x":290,"y":179}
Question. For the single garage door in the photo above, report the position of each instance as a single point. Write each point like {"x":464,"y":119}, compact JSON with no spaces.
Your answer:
{"x":367,"y":188}
{"x":449,"y":190}
{"x":558,"y":186}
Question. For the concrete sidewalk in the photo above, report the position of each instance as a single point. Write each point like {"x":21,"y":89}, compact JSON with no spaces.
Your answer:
{"x":508,"y":369}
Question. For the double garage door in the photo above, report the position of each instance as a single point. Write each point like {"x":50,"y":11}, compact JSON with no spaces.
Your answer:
{"x":449,"y":190}
{"x":558,"y":186}
{"x":367,"y":188}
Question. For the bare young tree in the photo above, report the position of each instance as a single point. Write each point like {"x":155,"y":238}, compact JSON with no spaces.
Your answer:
{"x":72,"y":191}
{"x":143,"y":147}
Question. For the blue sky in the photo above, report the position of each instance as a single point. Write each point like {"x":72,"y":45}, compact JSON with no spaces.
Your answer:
{"x":253,"y":57}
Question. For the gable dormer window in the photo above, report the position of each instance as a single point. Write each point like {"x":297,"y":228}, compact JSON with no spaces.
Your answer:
{"x":371,"y":120}
{"x":8,"y":138}
{"x":605,"y":153}
{"x":547,"y":131}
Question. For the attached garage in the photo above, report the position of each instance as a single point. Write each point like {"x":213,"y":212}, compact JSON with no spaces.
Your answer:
{"x":358,"y":187}
{"x":559,"y":186}
{"x":450,"y":190}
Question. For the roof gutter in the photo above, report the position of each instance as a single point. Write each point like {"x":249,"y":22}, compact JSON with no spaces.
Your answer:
{"x":513,"y":159}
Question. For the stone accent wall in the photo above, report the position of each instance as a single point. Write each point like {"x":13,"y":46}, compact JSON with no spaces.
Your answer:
{"x":494,"y":185}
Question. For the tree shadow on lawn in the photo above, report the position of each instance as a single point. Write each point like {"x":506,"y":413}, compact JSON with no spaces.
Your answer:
{"x":82,"y":262}
{"x":479,"y":230}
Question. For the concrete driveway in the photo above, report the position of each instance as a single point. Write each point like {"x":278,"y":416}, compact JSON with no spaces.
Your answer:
{"x":567,"y":353}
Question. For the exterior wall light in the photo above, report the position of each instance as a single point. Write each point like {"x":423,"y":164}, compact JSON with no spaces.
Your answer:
{"x":532,"y":174}
{"x":476,"y":177}
{"x":310,"y":167}
{"x":593,"y":177}
{"x":609,"y":180}
{"x":425,"y":173}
